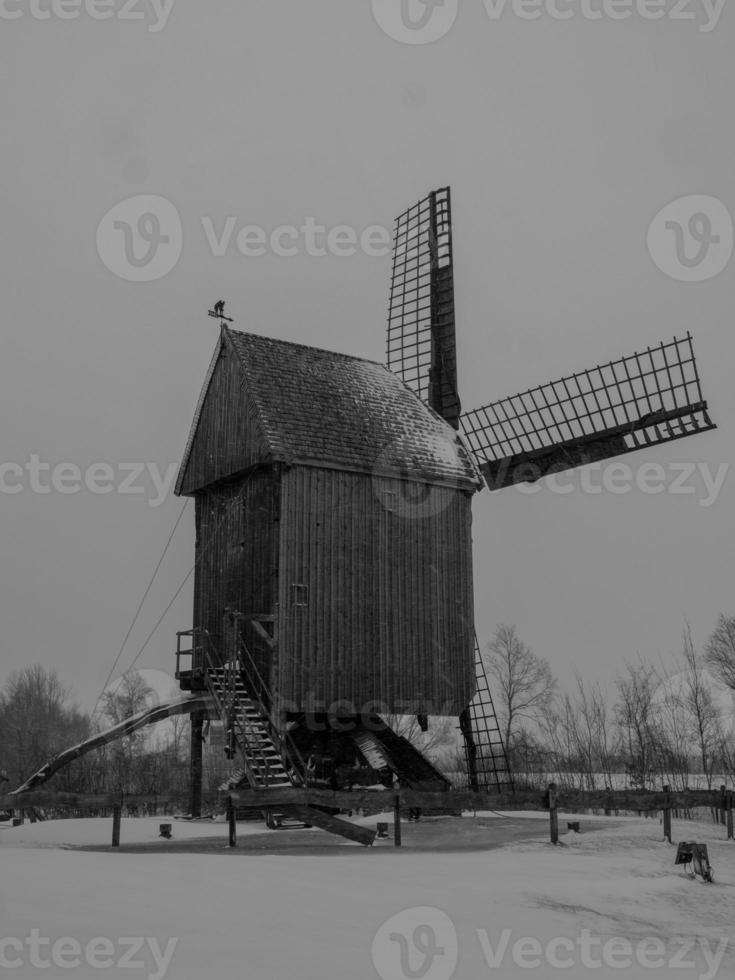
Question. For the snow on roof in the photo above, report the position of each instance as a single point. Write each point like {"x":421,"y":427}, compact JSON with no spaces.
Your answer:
{"x":321,"y":407}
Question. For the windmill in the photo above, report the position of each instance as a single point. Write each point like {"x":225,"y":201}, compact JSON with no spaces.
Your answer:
{"x":333,"y":570}
{"x":319,"y":581}
{"x":636,"y":402}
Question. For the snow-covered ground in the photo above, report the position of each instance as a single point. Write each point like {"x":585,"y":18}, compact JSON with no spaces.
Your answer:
{"x":608,"y":903}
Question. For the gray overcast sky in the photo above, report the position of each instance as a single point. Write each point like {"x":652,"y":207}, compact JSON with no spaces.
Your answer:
{"x":561,"y":140}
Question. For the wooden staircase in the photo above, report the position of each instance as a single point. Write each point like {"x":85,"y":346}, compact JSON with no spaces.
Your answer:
{"x":247,"y":731}
{"x":264,"y":759}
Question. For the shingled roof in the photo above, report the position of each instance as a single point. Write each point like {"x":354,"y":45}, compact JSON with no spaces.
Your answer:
{"x":320,"y":407}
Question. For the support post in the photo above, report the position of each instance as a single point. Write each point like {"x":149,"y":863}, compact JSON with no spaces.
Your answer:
{"x":397,"y":821}
{"x":609,"y":802}
{"x":195,"y":765}
{"x":723,"y":805}
{"x":116,"y":821}
{"x":465,"y":725}
{"x":667,"y":815}
{"x":730,"y":834}
{"x":553,"y":813}
{"x":231,"y":823}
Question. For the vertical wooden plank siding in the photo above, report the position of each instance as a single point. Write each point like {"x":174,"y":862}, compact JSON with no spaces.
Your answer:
{"x":236,"y":551}
{"x":228,"y":438}
{"x":389,"y":615}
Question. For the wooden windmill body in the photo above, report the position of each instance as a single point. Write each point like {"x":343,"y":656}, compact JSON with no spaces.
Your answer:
{"x":333,"y":518}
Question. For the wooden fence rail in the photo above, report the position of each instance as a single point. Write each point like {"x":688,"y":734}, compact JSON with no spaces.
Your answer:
{"x":391,"y":801}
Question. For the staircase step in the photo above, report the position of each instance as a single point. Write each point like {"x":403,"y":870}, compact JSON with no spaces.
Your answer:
{"x":263,"y":763}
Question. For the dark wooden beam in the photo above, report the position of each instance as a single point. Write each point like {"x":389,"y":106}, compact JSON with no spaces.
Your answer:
{"x":384,"y":800}
{"x":196,"y":768}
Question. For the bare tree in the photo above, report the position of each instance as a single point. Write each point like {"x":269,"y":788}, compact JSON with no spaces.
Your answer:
{"x":129,"y":698}
{"x":523,"y":681}
{"x":671,"y":731}
{"x":700,"y":704}
{"x":37,"y":720}
{"x":720,"y":650}
{"x":578,"y":730}
{"x":636,"y":712}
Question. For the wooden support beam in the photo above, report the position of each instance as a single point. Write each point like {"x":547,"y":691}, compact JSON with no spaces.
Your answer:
{"x":667,"y":814}
{"x":116,"y":821}
{"x":570,"y":801}
{"x":465,"y":725}
{"x":97,"y":801}
{"x":333,"y":824}
{"x":231,"y":823}
{"x":553,"y":813}
{"x":196,"y":768}
{"x":263,"y":633}
{"x":278,"y":797}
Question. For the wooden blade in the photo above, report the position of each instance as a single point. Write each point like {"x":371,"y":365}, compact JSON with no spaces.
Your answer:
{"x":421,"y":321}
{"x":645,"y":399}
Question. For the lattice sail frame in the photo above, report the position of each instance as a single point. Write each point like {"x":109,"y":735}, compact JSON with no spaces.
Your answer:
{"x":421,"y":346}
{"x":641,"y":400}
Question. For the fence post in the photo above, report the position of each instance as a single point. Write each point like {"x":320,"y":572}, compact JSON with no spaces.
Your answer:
{"x":667,"y":814}
{"x":231,"y":823}
{"x":723,"y":805}
{"x":730,"y":834}
{"x":116,"y":821}
{"x":397,"y":821}
{"x":553,"y":813}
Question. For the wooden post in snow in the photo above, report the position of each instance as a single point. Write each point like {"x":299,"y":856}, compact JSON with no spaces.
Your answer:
{"x":195,"y":763}
{"x":397,"y":821}
{"x":667,"y":815}
{"x":553,"y":813}
{"x":231,"y":823}
{"x":730,"y":834}
{"x":116,"y":821}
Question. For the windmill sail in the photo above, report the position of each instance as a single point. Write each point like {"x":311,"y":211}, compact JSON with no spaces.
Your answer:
{"x":421,"y":324}
{"x":642,"y":400}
